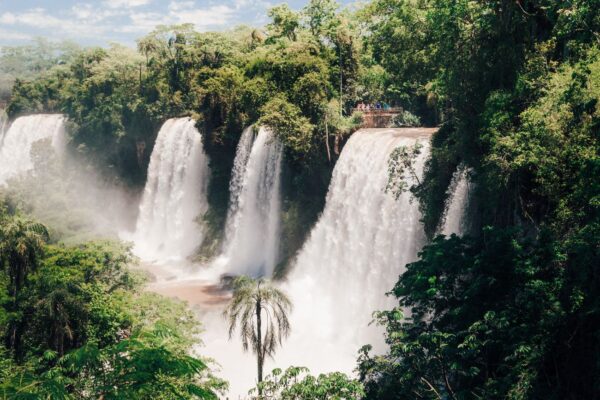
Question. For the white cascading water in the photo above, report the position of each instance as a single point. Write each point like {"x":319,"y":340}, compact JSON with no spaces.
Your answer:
{"x":175,"y":194}
{"x":252,"y":230}
{"x":354,"y":255}
{"x":456,"y":203}
{"x":3,"y":125}
{"x":17,"y":142}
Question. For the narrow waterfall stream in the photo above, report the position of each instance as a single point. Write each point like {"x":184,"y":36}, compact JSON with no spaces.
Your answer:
{"x":252,"y":232}
{"x":175,"y":194}
{"x":3,"y":126}
{"x":456,"y":203}
{"x":17,"y":142}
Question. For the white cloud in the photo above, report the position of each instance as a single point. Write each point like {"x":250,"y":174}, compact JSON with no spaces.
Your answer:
{"x":8,"y":18}
{"x":144,"y":22}
{"x":78,"y":23}
{"x":181,"y":5}
{"x":83,"y":11}
{"x":12,"y":35}
{"x":126,"y":3}
{"x":89,"y":14}
{"x":35,"y":17}
{"x":180,"y":12}
{"x":202,"y":17}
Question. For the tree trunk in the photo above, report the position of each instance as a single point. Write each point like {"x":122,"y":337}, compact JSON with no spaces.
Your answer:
{"x":141,"y":87}
{"x":327,"y":138}
{"x":260,"y":355}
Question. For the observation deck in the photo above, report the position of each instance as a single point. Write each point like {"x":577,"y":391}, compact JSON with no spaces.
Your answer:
{"x":378,"y":117}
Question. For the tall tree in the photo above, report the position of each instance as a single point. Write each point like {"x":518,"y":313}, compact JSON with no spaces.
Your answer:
{"x":21,"y":244}
{"x":321,"y":17}
{"x":60,"y":309}
{"x":256,"y":303}
{"x":285,"y":22}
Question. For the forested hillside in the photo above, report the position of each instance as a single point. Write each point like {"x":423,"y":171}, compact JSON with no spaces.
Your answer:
{"x":510,"y":309}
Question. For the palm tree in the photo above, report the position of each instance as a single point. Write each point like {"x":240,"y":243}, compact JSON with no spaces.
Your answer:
{"x":21,"y":243}
{"x":60,"y":309}
{"x":255,"y":302}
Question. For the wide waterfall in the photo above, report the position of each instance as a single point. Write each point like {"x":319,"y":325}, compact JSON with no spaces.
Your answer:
{"x":251,"y":242}
{"x":174,"y":198}
{"x":456,"y":203}
{"x":354,"y":255}
{"x":17,"y":142}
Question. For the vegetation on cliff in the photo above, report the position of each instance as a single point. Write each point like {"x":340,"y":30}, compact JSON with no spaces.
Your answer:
{"x":511,"y":311}
{"x":74,"y":323}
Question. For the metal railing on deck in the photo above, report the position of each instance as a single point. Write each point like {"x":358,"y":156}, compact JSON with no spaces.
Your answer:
{"x":390,"y":110}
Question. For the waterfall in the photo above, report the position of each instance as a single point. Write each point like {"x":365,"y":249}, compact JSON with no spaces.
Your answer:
{"x":456,"y":203}
{"x":252,"y":230}
{"x":175,"y":194}
{"x":354,"y":255}
{"x":17,"y":142}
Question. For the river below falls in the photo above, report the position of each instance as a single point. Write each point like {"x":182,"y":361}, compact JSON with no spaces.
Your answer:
{"x":205,"y":296}
{"x":361,"y":243}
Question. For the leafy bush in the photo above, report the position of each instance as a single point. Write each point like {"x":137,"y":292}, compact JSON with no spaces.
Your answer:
{"x":297,"y":383}
{"x":405,"y":119}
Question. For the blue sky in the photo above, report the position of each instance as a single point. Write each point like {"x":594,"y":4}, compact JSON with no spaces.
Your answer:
{"x":99,"y":22}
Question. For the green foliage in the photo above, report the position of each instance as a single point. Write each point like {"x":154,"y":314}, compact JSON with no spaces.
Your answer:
{"x":402,"y":170}
{"x":471,"y":331}
{"x":27,"y":62}
{"x":321,"y":17}
{"x":285,"y":22}
{"x":297,"y":383}
{"x":511,"y":312}
{"x":21,"y":244}
{"x":288,"y":125}
{"x":399,"y":28}
{"x":339,"y":124}
{"x":76,"y":325}
{"x":137,"y":367}
{"x":117,"y":97}
{"x":555,"y":146}
{"x":405,"y":119}
{"x":437,"y":176}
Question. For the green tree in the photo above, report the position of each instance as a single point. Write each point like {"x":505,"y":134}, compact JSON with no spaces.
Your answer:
{"x":256,"y":303}
{"x":284,"y":23}
{"x":137,"y":367}
{"x":21,"y":245}
{"x":481,"y":318}
{"x":321,"y":17}
{"x":61,"y":309}
{"x":287,"y":123}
